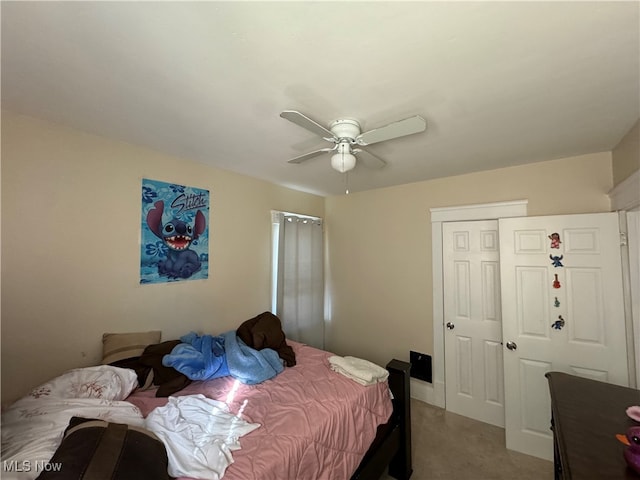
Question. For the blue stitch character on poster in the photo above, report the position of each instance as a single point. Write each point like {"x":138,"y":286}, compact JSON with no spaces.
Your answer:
{"x":175,"y":236}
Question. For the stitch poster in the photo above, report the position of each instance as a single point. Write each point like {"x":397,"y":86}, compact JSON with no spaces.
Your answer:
{"x":175,"y":233}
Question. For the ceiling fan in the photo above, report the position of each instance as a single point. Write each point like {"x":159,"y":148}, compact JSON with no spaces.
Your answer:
{"x":345,"y":134}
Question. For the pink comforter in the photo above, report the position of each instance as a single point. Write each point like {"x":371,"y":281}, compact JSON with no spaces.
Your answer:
{"x":315,"y":423}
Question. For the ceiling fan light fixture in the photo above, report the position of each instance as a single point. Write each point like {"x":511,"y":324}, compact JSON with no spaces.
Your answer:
{"x":343,"y":162}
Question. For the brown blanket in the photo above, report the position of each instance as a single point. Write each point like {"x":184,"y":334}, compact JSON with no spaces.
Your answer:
{"x":168,"y":379}
{"x":265,"y":331}
{"x":150,"y":371}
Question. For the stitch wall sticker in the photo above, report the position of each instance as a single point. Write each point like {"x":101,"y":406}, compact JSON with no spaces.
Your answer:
{"x":556,"y":282}
{"x":555,"y":240}
{"x":558,"y":324}
{"x":556,"y":260}
{"x":556,"y":302}
{"x":175,"y":233}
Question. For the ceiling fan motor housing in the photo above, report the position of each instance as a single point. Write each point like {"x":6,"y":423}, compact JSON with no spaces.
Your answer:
{"x":346,"y":128}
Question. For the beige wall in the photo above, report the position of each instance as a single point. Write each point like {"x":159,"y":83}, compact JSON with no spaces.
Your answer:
{"x":380,"y":246}
{"x":70,"y":240}
{"x":70,"y":248}
{"x":626,"y":155}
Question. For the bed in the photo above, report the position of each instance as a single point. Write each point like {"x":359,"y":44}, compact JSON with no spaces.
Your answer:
{"x":307,"y":422}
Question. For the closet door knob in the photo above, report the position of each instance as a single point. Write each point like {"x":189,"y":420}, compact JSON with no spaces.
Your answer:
{"x":450,"y":326}
{"x":512,"y":345}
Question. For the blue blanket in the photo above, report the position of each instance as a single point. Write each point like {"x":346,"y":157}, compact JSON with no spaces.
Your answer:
{"x":198,"y":357}
{"x":206,"y":357}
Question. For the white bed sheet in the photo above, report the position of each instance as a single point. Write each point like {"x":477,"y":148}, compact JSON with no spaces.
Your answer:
{"x":32,"y":427}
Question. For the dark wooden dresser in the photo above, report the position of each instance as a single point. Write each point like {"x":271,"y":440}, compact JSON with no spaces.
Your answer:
{"x":586,"y":416}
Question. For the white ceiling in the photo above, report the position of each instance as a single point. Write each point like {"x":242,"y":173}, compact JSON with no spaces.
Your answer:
{"x":499,"y":84}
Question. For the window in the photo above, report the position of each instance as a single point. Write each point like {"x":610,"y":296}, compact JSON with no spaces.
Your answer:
{"x":297,"y":276}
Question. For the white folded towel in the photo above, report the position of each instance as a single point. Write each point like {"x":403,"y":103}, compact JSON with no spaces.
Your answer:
{"x":358,"y":369}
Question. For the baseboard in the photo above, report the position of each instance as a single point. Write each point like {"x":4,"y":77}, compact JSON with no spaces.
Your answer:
{"x":432,"y":394}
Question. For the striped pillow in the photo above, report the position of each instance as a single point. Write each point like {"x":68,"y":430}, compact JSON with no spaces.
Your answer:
{"x":118,"y":346}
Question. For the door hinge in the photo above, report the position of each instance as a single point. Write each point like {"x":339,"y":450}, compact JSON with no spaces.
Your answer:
{"x":623,"y":239}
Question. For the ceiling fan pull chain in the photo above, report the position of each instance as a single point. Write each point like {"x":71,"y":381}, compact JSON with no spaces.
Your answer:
{"x":346,"y":183}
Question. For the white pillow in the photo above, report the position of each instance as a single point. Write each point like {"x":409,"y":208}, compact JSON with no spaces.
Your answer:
{"x":103,"y":381}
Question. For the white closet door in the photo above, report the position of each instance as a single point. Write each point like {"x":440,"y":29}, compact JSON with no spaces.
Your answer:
{"x":473,"y":330}
{"x":563,"y":314}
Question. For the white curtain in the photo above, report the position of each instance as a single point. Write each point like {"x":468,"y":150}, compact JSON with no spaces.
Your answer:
{"x":300,"y":279}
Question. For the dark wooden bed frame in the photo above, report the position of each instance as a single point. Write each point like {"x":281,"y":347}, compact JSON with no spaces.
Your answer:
{"x":392,"y":445}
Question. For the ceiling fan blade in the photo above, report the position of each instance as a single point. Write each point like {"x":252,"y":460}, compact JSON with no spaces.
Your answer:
{"x":305,"y":122}
{"x":309,"y":155}
{"x":369,"y":159}
{"x":408,"y":126}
